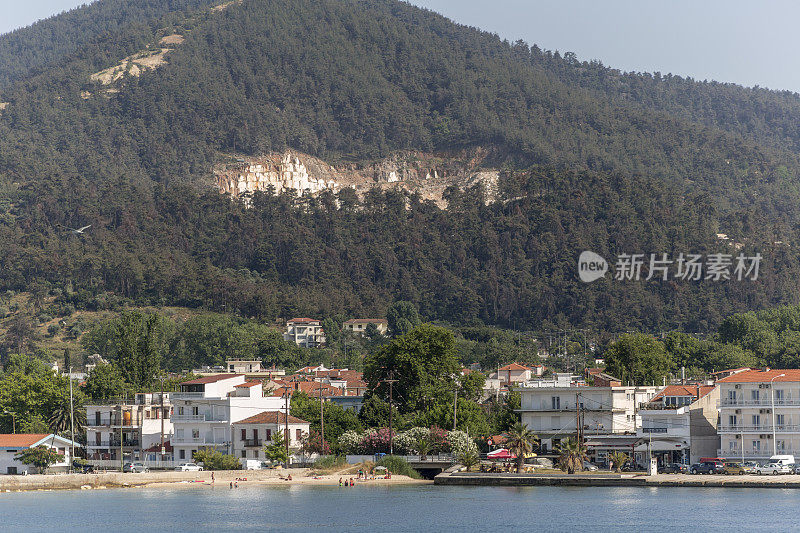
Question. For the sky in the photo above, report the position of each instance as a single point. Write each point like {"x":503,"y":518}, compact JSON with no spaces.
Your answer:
{"x":746,"y":42}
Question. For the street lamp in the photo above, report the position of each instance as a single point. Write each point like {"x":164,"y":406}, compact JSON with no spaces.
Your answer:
{"x":772,"y":396}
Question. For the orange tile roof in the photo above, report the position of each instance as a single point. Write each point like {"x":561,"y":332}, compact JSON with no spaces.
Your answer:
{"x":21,"y":440}
{"x":247,"y":384}
{"x":271,"y":417}
{"x":683,"y":390}
{"x":762,"y":376}
{"x":303,"y":320}
{"x":514,"y":366}
{"x":211,"y":379}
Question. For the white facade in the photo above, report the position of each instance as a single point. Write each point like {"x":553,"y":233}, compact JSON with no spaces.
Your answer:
{"x":551,"y":412}
{"x":252,"y":434}
{"x":131,"y":428}
{"x":11,"y":445}
{"x":205,"y":410}
{"x":305,"y":332}
{"x":746,"y":414}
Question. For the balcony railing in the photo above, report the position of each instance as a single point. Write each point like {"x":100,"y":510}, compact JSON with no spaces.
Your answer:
{"x":252,"y":443}
{"x":199,"y":418}
{"x":767,"y":428}
{"x":112,"y":444}
{"x":188,"y":395}
{"x":654,"y":430}
{"x":199,"y":441}
{"x":750,"y":454}
{"x":113,"y":421}
{"x":761,"y":402}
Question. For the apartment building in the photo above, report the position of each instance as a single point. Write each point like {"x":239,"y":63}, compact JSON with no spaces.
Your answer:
{"x":305,"y":332}
{"x":122,"y":427}
{"x":251,"y":434}
{"x":679,"y":425}
{"x":759,"y":414}
{"x":608,"y":415}
{"x":206,"y":408}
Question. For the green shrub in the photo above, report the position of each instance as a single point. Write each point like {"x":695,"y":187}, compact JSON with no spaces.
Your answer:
{"x":331,"y":461}
{"x":214,"y":459}
{"x":398,"y":466}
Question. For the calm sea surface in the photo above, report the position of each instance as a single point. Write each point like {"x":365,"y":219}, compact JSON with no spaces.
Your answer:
{"x":402,"y":508}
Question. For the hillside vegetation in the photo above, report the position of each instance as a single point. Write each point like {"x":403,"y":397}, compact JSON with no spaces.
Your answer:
{"x":592,"y":159}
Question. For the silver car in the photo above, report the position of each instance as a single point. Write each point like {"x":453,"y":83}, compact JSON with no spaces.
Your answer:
{"x":135,"y":467}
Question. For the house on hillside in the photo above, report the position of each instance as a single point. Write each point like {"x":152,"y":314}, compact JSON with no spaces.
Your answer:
{"x":12,"y":444}
{"x":305,"y":332}
{"x":359,"y":325}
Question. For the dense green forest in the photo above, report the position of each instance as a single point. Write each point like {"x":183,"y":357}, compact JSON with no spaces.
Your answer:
{"x":591,"y":159}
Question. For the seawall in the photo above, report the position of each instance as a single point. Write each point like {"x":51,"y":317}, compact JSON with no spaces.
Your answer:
{"x":617,"y":480}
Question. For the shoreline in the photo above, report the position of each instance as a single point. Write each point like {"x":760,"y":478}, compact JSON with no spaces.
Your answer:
{"x":194,"y":480}
{"x":475,"y":479}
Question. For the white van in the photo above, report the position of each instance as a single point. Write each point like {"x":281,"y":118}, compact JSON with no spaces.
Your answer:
{"x":251,"y":464}
{"x":782,"y":459}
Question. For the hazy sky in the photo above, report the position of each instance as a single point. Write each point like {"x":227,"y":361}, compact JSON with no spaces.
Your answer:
{"x":748,"y":42}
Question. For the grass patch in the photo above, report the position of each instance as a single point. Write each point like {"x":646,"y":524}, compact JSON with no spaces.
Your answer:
{"x":398,"y":466}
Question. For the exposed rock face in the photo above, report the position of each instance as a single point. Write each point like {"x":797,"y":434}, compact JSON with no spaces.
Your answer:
{"x":429,"y":175}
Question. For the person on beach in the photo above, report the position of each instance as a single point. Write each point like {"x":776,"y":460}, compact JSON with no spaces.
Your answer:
{"x":231,"y":484}
{"x":212,"y":478}
{"x":289,"y":478}
{"x":340,"y":482}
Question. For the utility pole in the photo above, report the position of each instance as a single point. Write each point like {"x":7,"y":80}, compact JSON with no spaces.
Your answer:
{"x":577,"y":418}
{"x":455,"y":405}
{"x":391,"y":381}
{"x":321,"y":421}
{"x":71,"y":423}
{"x":161,"y":414}
{"x":286,"y":424}
{"x":121,"y":460}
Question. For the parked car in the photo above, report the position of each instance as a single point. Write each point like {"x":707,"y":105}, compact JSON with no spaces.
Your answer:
{"x":135,"y":467}
{"x":707,"y":467}
{"x":632,"y":467}
{"x":739,"y":468}
{"x":589,"y":466}
{"x":674,"y":468}
{"x":796,"y":469}
{"x":189,"y":467}
{"x":774,"y":469}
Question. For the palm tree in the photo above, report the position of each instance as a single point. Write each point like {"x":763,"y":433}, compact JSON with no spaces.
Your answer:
{"x":520,"y":441}
{"x":618,"y":459}
{"x":469,"y":459}
{"x":572,"y":454}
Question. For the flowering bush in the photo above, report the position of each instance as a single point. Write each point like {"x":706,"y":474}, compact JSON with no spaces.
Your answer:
{"x":461,"y":444}
{"x":376,"y":441}
{"x":350,"y":441}
{"x":438,"y":440}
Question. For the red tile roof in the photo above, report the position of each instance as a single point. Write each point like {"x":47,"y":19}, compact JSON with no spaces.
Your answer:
{"x":762,"y":376}
{"x":211,"y":379}
{"x":271,"y":417}
{"x":156,"y":448}
{"x":683,"y":390}
{"x":21,"y":440}
{"x":514,"y":366}
{"x":247,"y":384}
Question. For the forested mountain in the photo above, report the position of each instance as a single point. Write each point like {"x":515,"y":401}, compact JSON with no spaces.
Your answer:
{"x":591,"y":160}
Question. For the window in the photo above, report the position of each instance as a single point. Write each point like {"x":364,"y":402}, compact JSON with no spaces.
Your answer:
{"x":756,"y":445}
{"x":244,"y":434}
{"x":244,"y":454}
{"x":732,"y":395}
{"x":779,"y":420}
{"x":732,"y":420}
{"x":298,"y":434}
{"x":756,"y":420}
{"x":555,"y":422}
{"x":195,"y":411}
{"x":732,"y":445}
{"x":778,"y":395}
{"x":754,"y":395}
{"x":556,"y":402}
{"x":182,"y":454}
{"x":195,"y":434}
{"x":780,"y":445}
{"x":180,"y":410}
{"x":255,"y":434}
{"x":179,"y":435}
{"x":97,"y":418}
{"x":269,"y":434}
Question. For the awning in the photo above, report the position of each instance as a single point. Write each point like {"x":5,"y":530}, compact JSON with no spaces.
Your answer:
{"x":502,"y":453}
{"x":662,"y":445}
{"x":612,"y":443}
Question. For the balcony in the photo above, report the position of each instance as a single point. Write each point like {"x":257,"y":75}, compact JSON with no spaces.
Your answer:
{"x":114,"y":421}
{"x":113,"y":444}
{"x":755,"y":454}
{"x":252,"y":443}
{"x":764,"y":428}
{"x":199,"y":418}
{"x":761,"y":402}
{"x":654,"y":430}
{"x":188,"y":395}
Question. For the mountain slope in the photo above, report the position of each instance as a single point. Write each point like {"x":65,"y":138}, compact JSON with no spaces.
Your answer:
{"x":352,"y":81}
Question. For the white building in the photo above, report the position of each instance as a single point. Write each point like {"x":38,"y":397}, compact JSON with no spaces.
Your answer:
{"x":12,"y":444}
{"x":608,"y":415}
{"x":746,"y":414}
{"x":206,"y":408}
{"x":359,"y":325}
{"x":679,"y":425}
{"x":251,"y":434}
{"x":116,"y":427}
{"x":305,"y":332}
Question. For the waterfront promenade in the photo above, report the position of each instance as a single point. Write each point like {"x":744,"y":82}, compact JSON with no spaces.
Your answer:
{"x":608,"y":479}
